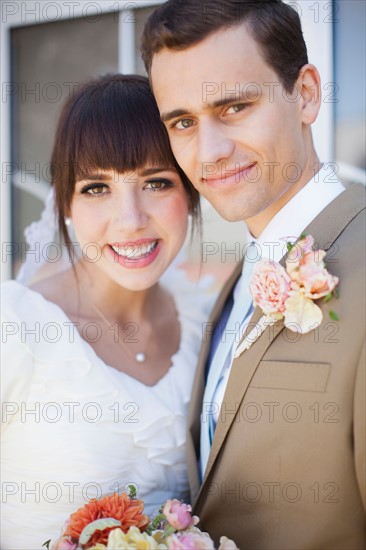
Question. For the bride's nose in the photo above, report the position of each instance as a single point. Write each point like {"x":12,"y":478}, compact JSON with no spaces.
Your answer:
{"x":130,"y":213}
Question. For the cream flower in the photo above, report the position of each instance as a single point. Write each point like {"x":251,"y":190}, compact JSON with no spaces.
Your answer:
{"x":227,"y":544}
{"x":301,"y":314}
{"x":133,"y":539}
{"x":190,"y":541}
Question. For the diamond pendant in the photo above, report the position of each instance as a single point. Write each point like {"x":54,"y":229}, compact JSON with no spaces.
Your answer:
{"x":140,"y":357}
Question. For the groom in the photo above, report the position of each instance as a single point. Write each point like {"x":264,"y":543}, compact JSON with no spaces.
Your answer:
{"x":276,"y":444}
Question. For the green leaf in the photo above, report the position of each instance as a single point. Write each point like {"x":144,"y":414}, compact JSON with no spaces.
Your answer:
{"x":47,"y":544}
{"x":97,"y":525}
{"x":289,"y":247}
{"x":155,"y":523}
{"x":169,"y":530}
{"x":336,"y":293}
{"x":328,"y":297}
{"x":132,"y":494}
{"x":333,"y":315}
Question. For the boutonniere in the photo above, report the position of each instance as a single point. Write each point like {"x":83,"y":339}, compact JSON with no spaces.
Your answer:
{"x":290,"y":293}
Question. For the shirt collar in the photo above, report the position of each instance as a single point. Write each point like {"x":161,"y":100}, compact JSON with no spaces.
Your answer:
{"x":288,"y":224}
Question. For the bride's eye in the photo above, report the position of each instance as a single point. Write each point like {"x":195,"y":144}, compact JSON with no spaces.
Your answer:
{"x":94,"y":189}
{"x":158,"y":184}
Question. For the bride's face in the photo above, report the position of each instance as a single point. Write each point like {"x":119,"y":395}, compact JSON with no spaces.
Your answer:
{"x":131,"y":225}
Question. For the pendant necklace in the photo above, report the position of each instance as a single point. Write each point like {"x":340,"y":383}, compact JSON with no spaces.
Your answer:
{"x":140,"y":356}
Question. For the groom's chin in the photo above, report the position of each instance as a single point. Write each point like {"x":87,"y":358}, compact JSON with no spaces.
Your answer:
{"x":229,"y":213}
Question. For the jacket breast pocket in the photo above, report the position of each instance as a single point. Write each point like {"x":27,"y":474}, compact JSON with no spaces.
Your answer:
{"x":288,"y":375}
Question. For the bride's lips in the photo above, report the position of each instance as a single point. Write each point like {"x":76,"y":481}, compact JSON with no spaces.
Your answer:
{"x":229,"y":178}
{"x":135,"y":254}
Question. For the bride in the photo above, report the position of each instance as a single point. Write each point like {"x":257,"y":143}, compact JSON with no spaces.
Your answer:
{"x":98,"y":359}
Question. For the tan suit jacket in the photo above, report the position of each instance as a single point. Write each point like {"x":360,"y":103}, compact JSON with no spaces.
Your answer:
{"x":287,"y":464}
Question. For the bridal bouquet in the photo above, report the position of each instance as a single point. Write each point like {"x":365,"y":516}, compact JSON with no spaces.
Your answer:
{"x":118,"y":522}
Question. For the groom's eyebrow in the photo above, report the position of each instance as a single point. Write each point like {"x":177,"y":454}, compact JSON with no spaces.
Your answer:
{"x":165,"y":117}
{"x":245,"y":95}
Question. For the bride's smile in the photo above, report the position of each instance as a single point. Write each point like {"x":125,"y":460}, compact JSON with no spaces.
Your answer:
{"x":137,"y":220}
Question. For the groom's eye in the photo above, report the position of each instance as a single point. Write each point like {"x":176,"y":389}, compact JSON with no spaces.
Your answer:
{"x":183,"y":124}
{"x":236,"y":108}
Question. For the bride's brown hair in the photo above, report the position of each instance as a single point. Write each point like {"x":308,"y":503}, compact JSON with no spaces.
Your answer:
{"x":112,"y":123}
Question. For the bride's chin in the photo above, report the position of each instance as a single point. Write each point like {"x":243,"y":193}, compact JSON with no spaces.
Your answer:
{"x":136,"y":282}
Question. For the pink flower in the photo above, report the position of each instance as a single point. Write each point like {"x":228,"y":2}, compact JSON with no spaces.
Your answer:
{"x":64,"y":543}
{"x":178,"y":514}
{"x":190,"y":541}
{"x":307,"y":270}
{"x":270,"y":287}
{"x":308,"y":262}
{"x":302,"y":247}
{"x":312,"y":276}
{"x":315,"y":278}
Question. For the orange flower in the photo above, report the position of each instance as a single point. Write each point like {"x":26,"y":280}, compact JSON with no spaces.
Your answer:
{"x":121,"y":507}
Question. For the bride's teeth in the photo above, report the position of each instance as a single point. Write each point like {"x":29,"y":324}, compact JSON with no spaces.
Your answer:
{"x":134,"y":252}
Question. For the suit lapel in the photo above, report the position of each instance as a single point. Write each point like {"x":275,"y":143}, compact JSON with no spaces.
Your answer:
{"x":325,"y":229}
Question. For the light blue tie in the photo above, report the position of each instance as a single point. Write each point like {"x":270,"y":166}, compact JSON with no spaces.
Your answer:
{"x":241,"y":307}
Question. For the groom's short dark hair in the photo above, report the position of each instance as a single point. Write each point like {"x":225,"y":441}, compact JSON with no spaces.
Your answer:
{"x":274,"y":25}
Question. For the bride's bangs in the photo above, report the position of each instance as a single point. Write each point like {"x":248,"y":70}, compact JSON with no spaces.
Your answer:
{"x":119,"y":129}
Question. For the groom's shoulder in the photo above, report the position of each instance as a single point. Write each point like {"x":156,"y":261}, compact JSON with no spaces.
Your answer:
{"x":342,"y":220}
{"x":354,"y":199}
{"x":351,"y":214}
{"x":346,"y":256}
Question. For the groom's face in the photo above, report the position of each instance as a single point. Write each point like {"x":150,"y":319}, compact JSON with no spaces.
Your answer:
{"x":234,"y":130}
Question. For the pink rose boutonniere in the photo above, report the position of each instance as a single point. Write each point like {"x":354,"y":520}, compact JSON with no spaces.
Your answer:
{"x":289,"y":293}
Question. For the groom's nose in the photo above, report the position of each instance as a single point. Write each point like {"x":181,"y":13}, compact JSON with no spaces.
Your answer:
{"x":213,"y":143}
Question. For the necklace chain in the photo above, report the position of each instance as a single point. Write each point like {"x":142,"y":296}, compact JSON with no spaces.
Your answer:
{"x":139,"y":357}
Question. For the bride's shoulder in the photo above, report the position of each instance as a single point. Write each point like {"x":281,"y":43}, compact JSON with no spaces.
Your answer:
{"x":39,"y":298}
{"x":60,"y":289}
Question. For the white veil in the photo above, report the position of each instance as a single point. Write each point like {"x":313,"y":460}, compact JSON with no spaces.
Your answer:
{"x":41,"y":236}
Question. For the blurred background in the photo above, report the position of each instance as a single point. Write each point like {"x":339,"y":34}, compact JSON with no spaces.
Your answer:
{"x":49,"y":47}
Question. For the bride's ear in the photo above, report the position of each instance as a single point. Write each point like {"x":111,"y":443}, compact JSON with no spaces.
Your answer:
{"x":309,"y":86}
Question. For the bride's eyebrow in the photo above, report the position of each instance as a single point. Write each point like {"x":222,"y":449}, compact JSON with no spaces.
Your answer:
{"x":156,"y":170}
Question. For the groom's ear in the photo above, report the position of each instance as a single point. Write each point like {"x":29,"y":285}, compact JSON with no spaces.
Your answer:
{"x":309,"y":87}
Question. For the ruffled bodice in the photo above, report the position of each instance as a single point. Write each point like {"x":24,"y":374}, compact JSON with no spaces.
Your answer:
{"x":74,"y":428}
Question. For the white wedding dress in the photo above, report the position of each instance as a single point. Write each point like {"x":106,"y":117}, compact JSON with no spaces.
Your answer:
{"x":74,"y":428}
